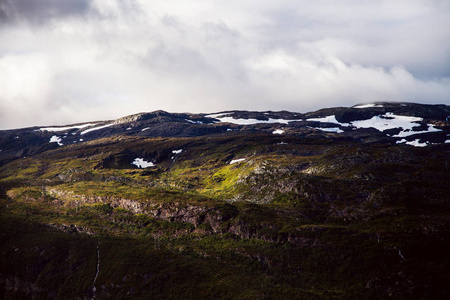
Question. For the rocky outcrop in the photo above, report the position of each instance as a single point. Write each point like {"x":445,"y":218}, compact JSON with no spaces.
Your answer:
{"x":73,"y":228}
{"x":220,"y":219}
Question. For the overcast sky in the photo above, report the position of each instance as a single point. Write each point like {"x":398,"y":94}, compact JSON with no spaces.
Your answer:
{"x":78,"y":60}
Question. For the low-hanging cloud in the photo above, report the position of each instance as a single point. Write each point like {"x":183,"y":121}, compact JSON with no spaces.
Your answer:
{"x":74,"y":61}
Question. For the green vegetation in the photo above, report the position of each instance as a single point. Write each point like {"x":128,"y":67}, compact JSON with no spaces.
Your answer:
{"x":309,"y":219}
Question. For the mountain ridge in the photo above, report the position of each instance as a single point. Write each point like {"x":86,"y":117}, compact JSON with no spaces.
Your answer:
{"x":378,"y":106}
{"x":341,"y":203}
{"x":161,"y":123}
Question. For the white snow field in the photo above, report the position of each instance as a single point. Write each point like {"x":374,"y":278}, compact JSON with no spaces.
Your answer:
{"x":331,"y":129}
{"x":247,"y":121}
{"x":367,"y":105}
{"x":95,"y":128}
{"x":55,"y":129}
{"x":141,"y":163}
{"x":381,"y":123}
{"x":56,"y":139}
{"x":415,"y":143}
{"x":404,"y":133}
{"x":235,"y":161}
{"x":328,"y":119}
{"x":388,"y":121}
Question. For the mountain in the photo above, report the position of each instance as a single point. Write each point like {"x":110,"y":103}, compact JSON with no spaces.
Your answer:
{"x":406,"y":123}
{"x":346,"y":202}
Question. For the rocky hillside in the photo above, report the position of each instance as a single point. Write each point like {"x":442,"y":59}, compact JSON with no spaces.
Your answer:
{"x":347,"y":203}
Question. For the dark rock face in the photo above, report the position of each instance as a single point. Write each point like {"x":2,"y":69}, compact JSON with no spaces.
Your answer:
{"x":355,"y":114}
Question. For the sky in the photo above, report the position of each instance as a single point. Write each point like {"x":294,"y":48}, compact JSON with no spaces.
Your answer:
{"x":64,"y":62}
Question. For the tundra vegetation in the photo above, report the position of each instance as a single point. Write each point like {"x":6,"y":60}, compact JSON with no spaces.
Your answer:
{"x":293,"y":217}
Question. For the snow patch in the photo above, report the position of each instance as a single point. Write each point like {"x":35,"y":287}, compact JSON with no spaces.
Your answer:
{"x":380,"y":122}
{"x":252,"y":121}
{"x":332,"y":129}
{"x":388,"y":121}
{"x":214,"y":116}
{"x":194,"y":122}
{"x":141,"y":163}
{"x":56,"y":139}
{"x":328,"y":119}
{"x":415,"y":143}
{"x":234,"y":161}
{"x":176,"y":152}
{"x":247,"y":121}
{"x":54,"y":129}
{"x":367,"y":105}
{"x":278,"y":131}
{"x":405,"y":133}
{"x":96,"y":128}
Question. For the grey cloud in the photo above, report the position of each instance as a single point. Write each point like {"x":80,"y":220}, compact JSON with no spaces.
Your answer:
{"x":176,"y":61}
{"x":219,"y":32}
{"x":409,"y":33}
{"x":125,"y":57}
{"x":40,"y":11}
{"x":6,"y":12}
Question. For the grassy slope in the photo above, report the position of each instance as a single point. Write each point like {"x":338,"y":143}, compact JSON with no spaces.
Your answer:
{"x":327,"y":220}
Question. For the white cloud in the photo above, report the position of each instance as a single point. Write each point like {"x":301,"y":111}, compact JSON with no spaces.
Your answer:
{"x":111,"y":58}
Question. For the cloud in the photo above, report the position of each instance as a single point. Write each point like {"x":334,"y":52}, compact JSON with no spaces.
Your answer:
{"x":40,"y":11}
{"x":73,"y":61}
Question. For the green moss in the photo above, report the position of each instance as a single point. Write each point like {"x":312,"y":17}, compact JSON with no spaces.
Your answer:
{"x":103,"y":208}
{"x":333,"y":234}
